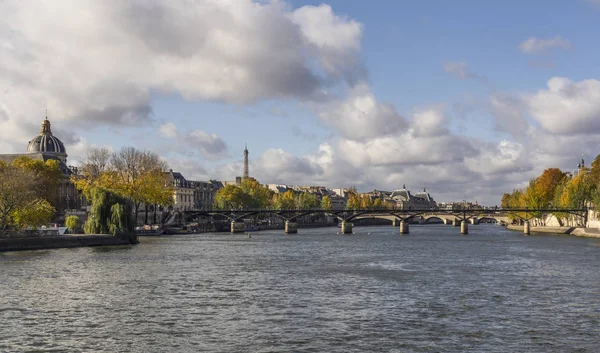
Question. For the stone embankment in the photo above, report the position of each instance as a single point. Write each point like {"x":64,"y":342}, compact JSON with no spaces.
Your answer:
{"x":61,"y":241}
{"x":577,"y":231}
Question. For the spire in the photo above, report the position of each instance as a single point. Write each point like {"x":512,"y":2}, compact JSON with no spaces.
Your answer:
{"x":46,"y":127}
{"x":246,"y":169}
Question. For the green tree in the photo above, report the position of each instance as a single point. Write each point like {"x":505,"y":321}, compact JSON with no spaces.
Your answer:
{"x":306,"y":200}
{"x":110,"y":214}
{"x":73,"y":223}
{"x":285,"y":201}
{"x":258,"y":195}
{"x":326,"y":203}
{"x":231,"y":197}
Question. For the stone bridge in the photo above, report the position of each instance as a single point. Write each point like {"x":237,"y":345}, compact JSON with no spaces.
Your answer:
{"x":400,"y":218}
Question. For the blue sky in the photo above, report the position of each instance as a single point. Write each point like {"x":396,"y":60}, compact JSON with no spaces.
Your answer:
{"x":452,"y":96}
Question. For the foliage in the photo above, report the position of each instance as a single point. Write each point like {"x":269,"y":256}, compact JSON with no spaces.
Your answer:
{"x":47,"y":176}
{"x":110,"y":214}
{"x":73,"y":223}
{"x":250,"y":195}
{"x":27,"y":188}
{"x":306,"y":200}
{"x":136,"y":175}
{"x":506,"y":199}
{"x":595,"y":172}
{"x":378,"y":204}
{"x":258,"y":195}
{"x":366,"y":202}
{"x":285,"y":201}
{"x":577,"y":192}
{"x":36,"y":213}
{"x":353,"y":200}
{"x":326,"y":203}
{"x":231,"y":197}
{"x":547,"y":183}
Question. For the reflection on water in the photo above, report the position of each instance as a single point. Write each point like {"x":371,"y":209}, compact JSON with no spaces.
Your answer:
{"x":376,"y":291}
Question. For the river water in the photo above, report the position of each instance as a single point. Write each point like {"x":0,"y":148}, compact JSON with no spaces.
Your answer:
{"x":375,"y":291}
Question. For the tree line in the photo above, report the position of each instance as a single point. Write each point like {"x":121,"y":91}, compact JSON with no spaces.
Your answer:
{"x":117,"y":184}
{"x":554,"y":189}
{"x":252,"y":195}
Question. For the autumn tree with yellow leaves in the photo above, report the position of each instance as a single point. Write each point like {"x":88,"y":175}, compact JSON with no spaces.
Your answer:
{"x":136,"y":175}
{"x":28,"y":188}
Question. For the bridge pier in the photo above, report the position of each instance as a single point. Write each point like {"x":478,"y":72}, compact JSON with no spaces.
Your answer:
{"x":346,"y":227}
{"x":464,"y":227}
{"x":403,"y":227}
{"x":526,"y":228}
{"x":395,"y":222}
{"x":237,"y":227}
{"x":291,"y":227}
{"x":456,"y":222}
{"x":474,"y":220}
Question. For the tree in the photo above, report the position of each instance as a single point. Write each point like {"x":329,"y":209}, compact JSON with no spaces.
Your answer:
{"x":136,"y":175}
{"x":547,"y":183}
{"x":353,"y":200}
{"x":378,"y":204}
{"x":595,"y":171}
{"x":365,"y":202}
{"x":326,"y":203}
{"x":306,"y":200}
{"x":46,"y":176}
{"x":285,"y":201}
{"x":110,"y":214}
{"x":25,"y":187}
{"x":92,"y":172}
{"x":73,"y":223}
{"x":505,"y":202}
{"x":231,"y":197}
{"x":258,"y":195}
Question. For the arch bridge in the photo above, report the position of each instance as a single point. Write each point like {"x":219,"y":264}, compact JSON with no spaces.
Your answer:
{"x":398,"y":217}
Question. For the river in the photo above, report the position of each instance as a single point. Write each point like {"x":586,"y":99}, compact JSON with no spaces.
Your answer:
{"x":432,"y":290}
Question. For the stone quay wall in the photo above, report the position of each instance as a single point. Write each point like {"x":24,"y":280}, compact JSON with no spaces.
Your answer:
{"x":61,"y":241}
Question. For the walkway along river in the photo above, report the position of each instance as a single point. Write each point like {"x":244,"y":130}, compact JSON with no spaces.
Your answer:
{"x":433,"y":290}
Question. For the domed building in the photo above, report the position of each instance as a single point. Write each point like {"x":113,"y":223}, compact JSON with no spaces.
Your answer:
{"x":48,"y":144}
{"x":44,"y":147}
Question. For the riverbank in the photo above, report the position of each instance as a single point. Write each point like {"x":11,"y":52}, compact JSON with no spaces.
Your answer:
{"x":576,"y":231}
{"x":61,"y":241}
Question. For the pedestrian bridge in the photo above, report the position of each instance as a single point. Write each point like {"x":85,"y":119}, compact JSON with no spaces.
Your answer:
{"x":400,"y":218}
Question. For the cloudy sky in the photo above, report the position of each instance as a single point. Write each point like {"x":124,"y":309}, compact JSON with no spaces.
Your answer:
{"x":468,"y":99}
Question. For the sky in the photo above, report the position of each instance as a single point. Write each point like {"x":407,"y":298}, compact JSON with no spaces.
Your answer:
{"x":468,"y":99}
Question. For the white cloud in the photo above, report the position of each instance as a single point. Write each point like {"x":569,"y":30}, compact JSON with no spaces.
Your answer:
{"x":97,"y":62}
{"x":534,"y":45}
{"x":430,"y":123}
{"x":567,"y":107}
{"x":360,"y":116}
{"x":208,"y":145}
{"x":168,"y":130}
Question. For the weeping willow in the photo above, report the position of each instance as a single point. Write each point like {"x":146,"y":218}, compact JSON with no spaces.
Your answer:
{"x":109,"y":214}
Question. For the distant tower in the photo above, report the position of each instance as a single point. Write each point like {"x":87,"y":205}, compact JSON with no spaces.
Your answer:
{"x":246,"y":172}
